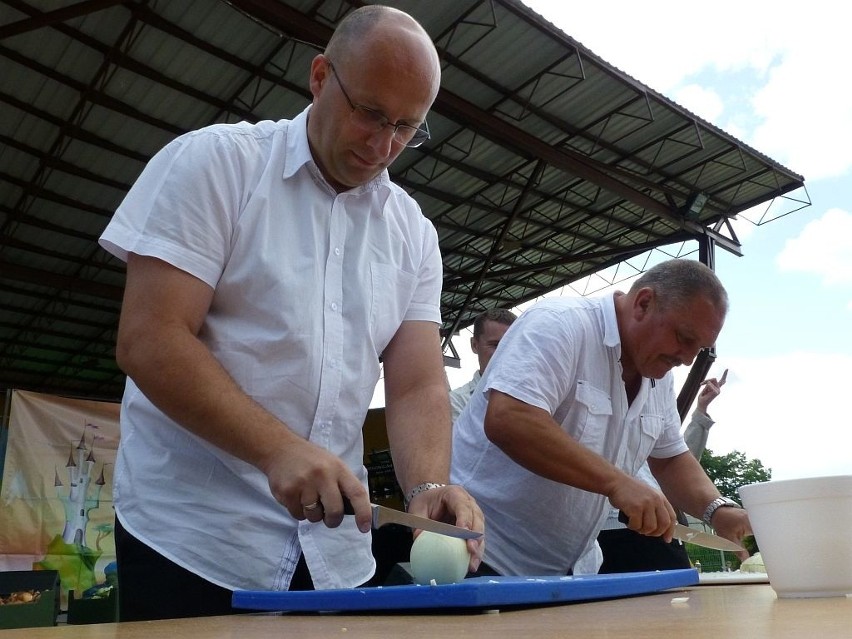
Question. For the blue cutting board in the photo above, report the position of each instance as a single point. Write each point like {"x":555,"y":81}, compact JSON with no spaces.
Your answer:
{"x":477,"y":592}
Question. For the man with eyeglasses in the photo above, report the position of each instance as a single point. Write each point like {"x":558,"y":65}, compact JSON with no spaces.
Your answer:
{"x":271,"y":267}
{"x":576,"y":399}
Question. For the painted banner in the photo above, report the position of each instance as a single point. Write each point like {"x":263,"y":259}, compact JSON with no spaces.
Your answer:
{"x":56,"y":509}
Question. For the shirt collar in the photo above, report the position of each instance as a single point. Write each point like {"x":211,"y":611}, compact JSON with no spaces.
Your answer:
{"x":611,"y":335}
{"x":298,"y":151}
{"x":612,"y":338}
{"x":299,"y":155}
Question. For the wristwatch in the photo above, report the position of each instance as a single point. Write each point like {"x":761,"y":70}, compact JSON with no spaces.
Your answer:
{"x":716,"y":504}
{"x":420,"y":488}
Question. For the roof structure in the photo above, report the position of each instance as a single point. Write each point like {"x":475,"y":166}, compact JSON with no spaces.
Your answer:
{"x":546,"y":164}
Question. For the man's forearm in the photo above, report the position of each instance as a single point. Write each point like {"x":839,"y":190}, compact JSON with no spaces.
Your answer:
{"x":162,"y":315}
{"x":420,"y":436}
{"x":684,"y":482}
{"x":417,"y":405}
{"x":182,"y":378}
{"x":530,"y":437}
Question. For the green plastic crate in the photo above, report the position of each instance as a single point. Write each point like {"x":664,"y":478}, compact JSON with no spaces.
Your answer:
{"x":93,"y":610}
{"x":43,"y":612}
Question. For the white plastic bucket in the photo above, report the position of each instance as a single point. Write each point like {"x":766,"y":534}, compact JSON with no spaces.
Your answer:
{"x":803,"y":528}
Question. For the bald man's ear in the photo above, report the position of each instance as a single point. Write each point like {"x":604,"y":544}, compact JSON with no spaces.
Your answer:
{"x":319,"y":74}
{"x":473,"y":346}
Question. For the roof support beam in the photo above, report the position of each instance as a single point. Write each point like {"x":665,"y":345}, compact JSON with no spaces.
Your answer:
{"x":496,"y":247}
{"x":486,"y":124}
{"x":19,"y":273}
{"x":291,"y":21}
{"x":286,"y":19}
{"x":53,"y":17}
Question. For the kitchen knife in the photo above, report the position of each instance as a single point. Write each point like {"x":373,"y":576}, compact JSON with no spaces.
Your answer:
{"x":383,"y":515}
{"x":697,"y":537}
{"x":701,"y":538}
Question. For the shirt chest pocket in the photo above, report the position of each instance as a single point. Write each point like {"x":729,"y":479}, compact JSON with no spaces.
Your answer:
{"x":594,"y":408}
{"x":392,"y":290}
{"x":649,"y":431}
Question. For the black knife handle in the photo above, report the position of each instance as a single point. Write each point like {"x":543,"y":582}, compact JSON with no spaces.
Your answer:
{"x":623,"y":518}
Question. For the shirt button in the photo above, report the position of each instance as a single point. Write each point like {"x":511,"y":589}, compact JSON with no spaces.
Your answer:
{"x":334,"y":306}
{"x":337,"y":251}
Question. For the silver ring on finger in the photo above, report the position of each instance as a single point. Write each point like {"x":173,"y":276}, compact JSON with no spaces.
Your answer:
{"x":312,"y":506}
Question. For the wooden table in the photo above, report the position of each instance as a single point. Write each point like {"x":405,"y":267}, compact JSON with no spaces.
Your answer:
{"x":719,"y":612}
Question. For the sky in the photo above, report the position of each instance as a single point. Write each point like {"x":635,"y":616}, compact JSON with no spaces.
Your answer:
{"x":773,"y":74}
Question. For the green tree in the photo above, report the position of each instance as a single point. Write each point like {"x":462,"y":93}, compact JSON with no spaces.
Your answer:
{"x":733,"y":470}
{"x":728,"y":472}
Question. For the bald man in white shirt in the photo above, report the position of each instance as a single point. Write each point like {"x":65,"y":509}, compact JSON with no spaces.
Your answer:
{"x":265,"y":281}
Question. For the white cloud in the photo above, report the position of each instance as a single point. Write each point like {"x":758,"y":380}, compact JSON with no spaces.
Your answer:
{"x":782,"y":410}
{"x":662,"y":42}
{"x":823,"y":248}
{"x":802,"y":104}
{"x":744,"y":225}
{"x":806,"y":111}
{"x":702,"y":101}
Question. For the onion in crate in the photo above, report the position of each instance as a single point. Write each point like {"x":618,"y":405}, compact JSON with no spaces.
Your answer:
{"x":438,"y":557}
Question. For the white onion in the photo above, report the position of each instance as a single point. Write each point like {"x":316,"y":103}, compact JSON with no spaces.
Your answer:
{"x":438,"y":557}
{"x":753,"y":564}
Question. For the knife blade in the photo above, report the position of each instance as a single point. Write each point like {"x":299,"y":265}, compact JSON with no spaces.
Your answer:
{"x":701,"y":538}
{"x":697,"y":537}
{"x":382,"y":515}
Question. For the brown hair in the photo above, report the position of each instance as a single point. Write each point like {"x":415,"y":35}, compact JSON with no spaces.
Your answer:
{"x":499,"y":315}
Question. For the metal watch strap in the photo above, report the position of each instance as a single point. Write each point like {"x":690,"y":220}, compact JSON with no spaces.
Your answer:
{"x":420,"y":488}
{"x":713,"y":506}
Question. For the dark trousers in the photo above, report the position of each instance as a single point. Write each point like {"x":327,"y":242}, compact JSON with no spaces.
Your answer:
{"x":625,"y":550}
{"x":153,"y":587}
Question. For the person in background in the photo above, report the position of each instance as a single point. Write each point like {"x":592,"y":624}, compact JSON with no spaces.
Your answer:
{"x":578,"y":396}
{"x":625,"y":550}
{"x":270,"y":267}
{"x":698,"y":430}
{"x":488,"y":329}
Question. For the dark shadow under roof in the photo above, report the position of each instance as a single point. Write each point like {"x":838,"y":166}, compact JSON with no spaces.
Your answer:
{"x":546,"y":164}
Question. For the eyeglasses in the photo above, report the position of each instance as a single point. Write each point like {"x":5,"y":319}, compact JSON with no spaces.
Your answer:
{"x":374,"y":121}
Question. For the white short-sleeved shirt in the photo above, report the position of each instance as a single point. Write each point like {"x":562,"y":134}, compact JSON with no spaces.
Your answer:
{"x":310,"y":286}
{"x":561,"y":355}
{"x":695,"y":436}
{"x":459,"y":397}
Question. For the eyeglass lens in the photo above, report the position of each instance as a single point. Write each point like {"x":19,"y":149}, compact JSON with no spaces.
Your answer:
{"x":374,"y":121}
